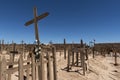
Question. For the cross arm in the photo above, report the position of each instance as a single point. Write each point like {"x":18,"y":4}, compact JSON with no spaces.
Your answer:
{"x":37,"y":18}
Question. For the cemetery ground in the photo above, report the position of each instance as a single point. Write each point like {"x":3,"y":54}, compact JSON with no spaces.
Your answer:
{"x":99,"y":68}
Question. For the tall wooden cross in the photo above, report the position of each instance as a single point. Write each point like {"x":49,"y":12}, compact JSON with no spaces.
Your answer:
{"x":35,"y":20}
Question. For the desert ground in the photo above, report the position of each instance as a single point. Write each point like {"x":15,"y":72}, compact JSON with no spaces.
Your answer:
{"x":99,"y":68}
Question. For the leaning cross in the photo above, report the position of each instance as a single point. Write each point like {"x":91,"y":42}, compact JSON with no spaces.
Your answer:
{"x":35,"y":20}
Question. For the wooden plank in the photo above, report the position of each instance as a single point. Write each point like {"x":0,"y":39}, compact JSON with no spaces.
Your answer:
{"x":83,"y":61}
{"x":54,"y":63}
{"x":38,"y":18}
{"x":12,"y":70}
{"x":43,"y":66}
{"x":93,"y":52}
{"x":68,"y":63}
{"x":9,"y":77}
{"x":2,"y":68}
{"x":64,"y":49}
{"x":72,"y":57}
{"x":20,"y":68}
{"x":33,"y":67}
{"x":49,"y":68}
{"x":27,"y":73}
{"x":15,"y":63}
{"x":77,"y":60}
{"x":36,"y":27}
{"x":40,"y":68}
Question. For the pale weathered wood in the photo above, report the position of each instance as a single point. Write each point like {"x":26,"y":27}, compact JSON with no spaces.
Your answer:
{"x":49,"y":68}
{"x":43,"y":66}
{"x":54,"y":63}
{"x":12,"y":70}
{"x":15,"y":63}
{"x":33,"y":67}
{"x":20,"y":69}
{"x":2,"y":68}
{"x":9,"y":76}
{"x":40,"y":68}
{"x":115,"y":54}
{"x":83,"y":61}
{"x":28,"y":73}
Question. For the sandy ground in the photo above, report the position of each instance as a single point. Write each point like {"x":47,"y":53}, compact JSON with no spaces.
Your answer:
{"x":99,"y":68}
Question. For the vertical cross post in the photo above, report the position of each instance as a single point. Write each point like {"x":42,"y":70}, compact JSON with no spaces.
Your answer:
{"x":54,"y":63}
{"x":2,"y":68}
{"x":73,"y":57}
{"x":68,"y":63}
{"x":36,"y":26}
{"x":83,"y":57}
{"x":64,"y":49}
{"x":81,"y":54}
{"x":77,"y":58}
{"x":20,"y":69}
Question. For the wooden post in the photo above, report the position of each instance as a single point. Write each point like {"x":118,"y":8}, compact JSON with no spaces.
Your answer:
{"x":68,"y":64}
{"x":22,"y":46}
{"x":20,"y":69}
{"x":12,"y":55}
{"x":83,"y":61}
{"x":2,"y":68}
{"x":93,"y":52}
{"x":94,"y":49}
{"x":33,"y":67}
{"x":49,"y":67}
{"x":115,"y":59}
{"x":27,"y":73}
{"x":42,"y":66}
{"x":81,"y":54}
{"x":86,"y":53}
{"x":54,"y":63}
{"x":77,"y":58}
{"x":9,"y":76}
{"x":81,"y":58}
{"x":64,"y":49}
{"x":72,"y":57}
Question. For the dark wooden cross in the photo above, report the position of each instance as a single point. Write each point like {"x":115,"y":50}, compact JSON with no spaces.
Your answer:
{"x":12,"y":54}
{"x":35,"y":20}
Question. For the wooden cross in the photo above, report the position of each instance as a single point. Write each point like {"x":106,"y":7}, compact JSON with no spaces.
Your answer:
{"x":35,"y":20}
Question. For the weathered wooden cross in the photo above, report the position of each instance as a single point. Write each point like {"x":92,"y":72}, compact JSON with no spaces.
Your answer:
{"x":35,"y":20}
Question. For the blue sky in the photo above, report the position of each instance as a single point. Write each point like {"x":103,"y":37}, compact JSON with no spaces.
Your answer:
{"x":70,"y":19}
